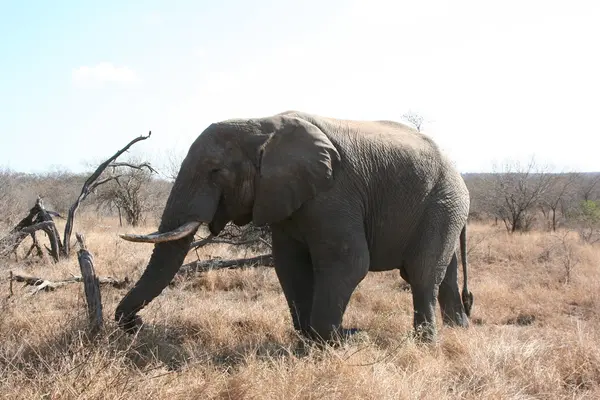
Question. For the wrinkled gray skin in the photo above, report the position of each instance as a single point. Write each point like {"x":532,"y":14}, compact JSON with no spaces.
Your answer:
{"x":342,"y":197}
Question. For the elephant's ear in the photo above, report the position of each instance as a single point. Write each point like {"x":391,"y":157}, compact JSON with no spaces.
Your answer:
{"x":297,"y":162}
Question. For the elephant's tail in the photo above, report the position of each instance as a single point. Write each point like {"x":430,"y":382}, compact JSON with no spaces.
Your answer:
{"x":467,"y":297}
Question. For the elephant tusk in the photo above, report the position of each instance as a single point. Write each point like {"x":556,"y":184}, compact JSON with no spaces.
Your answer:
{"x":178,"y":233}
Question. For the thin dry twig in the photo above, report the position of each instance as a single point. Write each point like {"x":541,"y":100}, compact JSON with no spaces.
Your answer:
{"x":134,"y":166}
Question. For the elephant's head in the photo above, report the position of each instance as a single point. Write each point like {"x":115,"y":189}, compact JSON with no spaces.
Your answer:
{"x":259,"y":170}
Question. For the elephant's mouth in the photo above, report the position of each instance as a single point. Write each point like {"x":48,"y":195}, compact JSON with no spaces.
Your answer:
{"x":220,"y":219}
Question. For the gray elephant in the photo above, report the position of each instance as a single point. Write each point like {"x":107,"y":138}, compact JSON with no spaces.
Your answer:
{"x":341,"y":197}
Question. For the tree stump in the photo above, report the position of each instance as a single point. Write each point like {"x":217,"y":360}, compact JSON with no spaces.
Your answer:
{"x":91,"y":286}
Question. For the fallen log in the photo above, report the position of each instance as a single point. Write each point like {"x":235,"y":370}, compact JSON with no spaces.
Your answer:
{"x":265,"y":260}
{"x":47,"y":285}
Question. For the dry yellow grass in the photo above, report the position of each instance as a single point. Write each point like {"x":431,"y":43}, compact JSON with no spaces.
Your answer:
{"x":227,"y":334}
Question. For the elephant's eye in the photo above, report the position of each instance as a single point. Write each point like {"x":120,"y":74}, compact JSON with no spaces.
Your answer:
{"x":216,"y":173}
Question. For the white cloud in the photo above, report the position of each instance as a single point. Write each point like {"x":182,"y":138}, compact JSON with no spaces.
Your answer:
{"x":104,"y":72}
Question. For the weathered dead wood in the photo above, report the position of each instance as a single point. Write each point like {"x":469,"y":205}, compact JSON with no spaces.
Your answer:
{"x":49,"y":285}
{"x":35,"y":246}
{"x":55,"y":214}
{"x":216,"y":240}
{"x":265,"y":260}
{"x":50,"y":229}
{"x":13,"y":239}
{"x":91,"y":286}
{"x":88,"y":187}
{"x":37,"y":219}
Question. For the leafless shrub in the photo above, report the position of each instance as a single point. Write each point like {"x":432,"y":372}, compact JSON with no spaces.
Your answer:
{"x":555,"y":198}
{"x":128,"y":192}
{"x":589,"y":189}
{"x":10,"y":198}
{"x":414,"y":118}
{"x":586,"y":221}
{"x":516,"y":191}
{"x":562,"y":249}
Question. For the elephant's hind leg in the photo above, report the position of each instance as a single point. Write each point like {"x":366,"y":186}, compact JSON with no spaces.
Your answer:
{"x":432,"y":252}
{"x":294,"y":271}
{"x":453,"y":312}
{"x":424,"y":311}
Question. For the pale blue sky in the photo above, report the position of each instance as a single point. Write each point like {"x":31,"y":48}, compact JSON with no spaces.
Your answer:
{"x":498,"y":80}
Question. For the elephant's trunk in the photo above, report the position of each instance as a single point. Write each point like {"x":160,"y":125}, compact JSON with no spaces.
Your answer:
{"x":172,"y":243}
{"x":164,"y":264}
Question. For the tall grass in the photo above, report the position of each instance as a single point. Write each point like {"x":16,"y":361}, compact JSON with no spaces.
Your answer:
{"x":227,"y":334}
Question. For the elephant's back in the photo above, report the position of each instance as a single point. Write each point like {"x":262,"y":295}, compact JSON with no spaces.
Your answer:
{"x":387,"y":138}
{"x":396,"y":173}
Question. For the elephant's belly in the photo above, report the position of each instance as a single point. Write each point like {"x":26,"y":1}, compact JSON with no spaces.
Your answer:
{"x":386,"y":256}
{"x":388,"y":248}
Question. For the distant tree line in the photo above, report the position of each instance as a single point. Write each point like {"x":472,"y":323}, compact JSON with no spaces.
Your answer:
{"x":529,"y":196}
{"x":521,"y":197}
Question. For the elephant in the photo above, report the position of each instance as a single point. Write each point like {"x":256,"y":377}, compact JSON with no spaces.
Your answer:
{"x":342,"y":197}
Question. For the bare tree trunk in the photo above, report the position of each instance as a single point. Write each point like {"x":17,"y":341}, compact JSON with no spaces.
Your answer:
{"x":91,"y":286}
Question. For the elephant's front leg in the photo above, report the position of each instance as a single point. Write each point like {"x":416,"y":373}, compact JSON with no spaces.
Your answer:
{"x":294,"y":271}
{"x":339,"y":267}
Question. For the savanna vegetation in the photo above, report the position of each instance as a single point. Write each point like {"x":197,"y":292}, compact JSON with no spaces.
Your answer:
{"x":535,"y":328}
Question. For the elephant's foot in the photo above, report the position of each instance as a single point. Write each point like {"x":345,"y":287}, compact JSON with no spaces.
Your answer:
{"x":129,"y":325}
{"x":455,"y":319}
{"x":348,"y":332}
{"x":425,"y":333}
{"x":424,"y":299}
{"x":335,"y":337}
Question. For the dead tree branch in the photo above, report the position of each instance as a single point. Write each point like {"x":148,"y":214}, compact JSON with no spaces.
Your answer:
{"x":87,"y":188}
{"x":35,"y":246}
{"x":207,"y":265}
{"x":50,"y":229}
{"x":103,"y":181}
{"x":216,"y":240}
{"x":138,"y":166}
{"x":55,"y":214}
